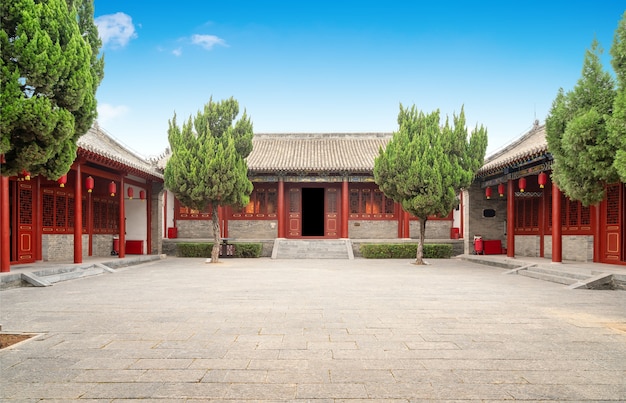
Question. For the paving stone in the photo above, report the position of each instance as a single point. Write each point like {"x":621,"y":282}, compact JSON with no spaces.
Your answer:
{"x":320,"y":331}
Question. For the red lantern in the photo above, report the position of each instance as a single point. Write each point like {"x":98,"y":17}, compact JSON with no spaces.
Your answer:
{"x":26,"y":175}
{"x":522,"y":184}
{"x":62,"y":181}
{"x":130,"y":192}
{"x":488,"y":192}
{"x":501,"y":189}
{"x":112,"y":188}
{"x":89,"y":183}
{"x":542,"y":179}
{"x":142,"y":194}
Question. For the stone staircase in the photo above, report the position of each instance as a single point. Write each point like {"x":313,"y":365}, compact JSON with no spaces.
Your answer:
{"x":312,"y":249}
{"x":573,"y":278}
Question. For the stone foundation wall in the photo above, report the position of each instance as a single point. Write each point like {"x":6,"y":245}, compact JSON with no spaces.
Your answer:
{"x":372,"y":229}
{"x":578,"y":248}
{"x":435,"y":229}
{"x":60,"y":247}
{"x":253,"y":229}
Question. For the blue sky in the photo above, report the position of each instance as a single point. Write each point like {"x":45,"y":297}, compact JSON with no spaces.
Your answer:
{"x":342,"y":66}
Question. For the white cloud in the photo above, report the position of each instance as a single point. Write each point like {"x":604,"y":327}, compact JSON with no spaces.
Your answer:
{"x":115,"y":29}
{"x":207,"y":41}
{"x":177,"y":51}
{"x":108,"y":112}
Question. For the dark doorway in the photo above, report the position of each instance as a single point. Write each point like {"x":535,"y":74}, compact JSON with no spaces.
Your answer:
{"x":312,"y":211}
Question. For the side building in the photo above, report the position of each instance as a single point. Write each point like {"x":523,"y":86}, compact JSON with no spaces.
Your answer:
{"x":514,"y":201}
{"x":107,"y":204}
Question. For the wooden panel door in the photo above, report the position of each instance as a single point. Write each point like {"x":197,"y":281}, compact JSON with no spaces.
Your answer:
{"x":612,"y":228}
{"x":295,"y":213}
{"x":331,"y":215}
{"x":25,"y":225}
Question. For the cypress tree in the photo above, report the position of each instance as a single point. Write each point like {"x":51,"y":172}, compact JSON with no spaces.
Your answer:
{"x":207,"y":166}
{"x":617,"y":122}
{"x":49,"y":74}
{"x":425,"y":165}
{"x":577,"y":133}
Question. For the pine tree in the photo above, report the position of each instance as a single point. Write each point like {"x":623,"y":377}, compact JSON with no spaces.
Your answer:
{"x":49,"y":74}
{"x":577,"y":133}
{"x":207,"y":166}
{"x":425,"y":165}
{"x":617,"y":122}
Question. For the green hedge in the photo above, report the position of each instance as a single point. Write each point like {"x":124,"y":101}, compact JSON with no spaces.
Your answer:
{"x":405,"y":251}
{"x":195,"y":249}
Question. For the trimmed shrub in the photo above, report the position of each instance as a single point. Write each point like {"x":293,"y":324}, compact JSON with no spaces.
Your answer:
{"x":200,"y":249}
{"x":405,"y":251}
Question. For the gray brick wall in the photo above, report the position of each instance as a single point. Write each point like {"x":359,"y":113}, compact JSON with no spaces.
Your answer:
{"x":102,"y":245}
{"x":60,"y":247}
{"x":578,"y":248}
{"x":371,"y":229}
{"x":194,"y":229}
{"x":253,"y":229}
{"x":527,"y":245}
{"x":435,"y":229}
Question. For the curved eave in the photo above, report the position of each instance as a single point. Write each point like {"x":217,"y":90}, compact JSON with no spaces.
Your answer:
{"x":134,"y":169}
{"x":514,"y":161}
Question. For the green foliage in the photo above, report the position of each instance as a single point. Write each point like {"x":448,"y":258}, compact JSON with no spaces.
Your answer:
{"x":405,"y":251}
{"x":49,"y":73}
{"x":425,"y":165}
{"x":242,"y":250}
{"x":577,"y":133}
{"x":207,"y":165}
{"x":617,"y":121}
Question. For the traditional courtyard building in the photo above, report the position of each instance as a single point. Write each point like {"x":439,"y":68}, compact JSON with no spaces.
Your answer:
{"x":311,"y":186}
{"x":108,"y":203}
{"x":514,"y":203}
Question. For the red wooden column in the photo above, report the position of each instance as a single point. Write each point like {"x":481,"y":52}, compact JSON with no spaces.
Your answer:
{"x":149,"y":213}
{"x":280,"y":214}
{"x":510,"y":218}
{"x":122,"y":224}
{"x":345,"y":207}
{"x":597,"y":231}
{"x":78,"y":217}
{"x":37,"y":220}
{"x":557,"y":241}
{"x":5,"y":240}
{"x":406,"y":233}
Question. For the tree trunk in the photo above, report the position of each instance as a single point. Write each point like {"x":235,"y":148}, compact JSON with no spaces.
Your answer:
{"x":420,"y":244}
{"x":215,"y":252}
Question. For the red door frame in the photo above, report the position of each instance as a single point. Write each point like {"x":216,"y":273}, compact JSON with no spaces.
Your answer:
{"x":613,"y":235}
{"x":293,"y":219}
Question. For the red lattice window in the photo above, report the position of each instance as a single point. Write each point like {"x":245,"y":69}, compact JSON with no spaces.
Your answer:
{"x":527,"y":211}
{"x":105,"y":215}
{"x":58,"y":211}
{"x":365,"y":201}
{"x":26,"y":206}
{"x":263,"y":204}
{"x":331,"y":201}
{"x":612,"y":205}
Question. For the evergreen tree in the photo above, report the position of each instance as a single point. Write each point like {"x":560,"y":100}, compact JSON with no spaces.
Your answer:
{"x":577,"y":133}
{"x":425,"y":165}
{"x":49,"y":74}
{"x":207,"y":165}
{"x":617,"y":122}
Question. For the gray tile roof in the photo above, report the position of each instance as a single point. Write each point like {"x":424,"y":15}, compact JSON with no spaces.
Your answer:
{"x":530,"y":145}
{"x":96,"y":143}
{"x":316,"y":152}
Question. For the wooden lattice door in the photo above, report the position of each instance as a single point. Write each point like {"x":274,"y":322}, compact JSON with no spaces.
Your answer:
{"x":612,"y":229}
{"x":295,"y":212}
{"x":331,"y":213}
{"x":24,"y":223}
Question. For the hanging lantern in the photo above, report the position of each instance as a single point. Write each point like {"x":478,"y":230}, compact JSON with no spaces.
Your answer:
{"x":112,"y":188}
{"x":488,"y":192}
{"x":542,"y":179}
{"x":89,"y":184}
{"x":522,"y":184}
{"x":26,"y":175}
{"x":142,"y":194}
{"x":62,"y":181}
{"x":130,"y":192}
{"x":501,"y":189}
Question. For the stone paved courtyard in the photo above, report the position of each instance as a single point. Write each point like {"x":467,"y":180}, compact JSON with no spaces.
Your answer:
{"x":181,"y":330}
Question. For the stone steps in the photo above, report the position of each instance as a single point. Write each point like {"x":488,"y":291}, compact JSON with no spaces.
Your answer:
{"x":561,"y":276}
{"x":312,"y":249}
